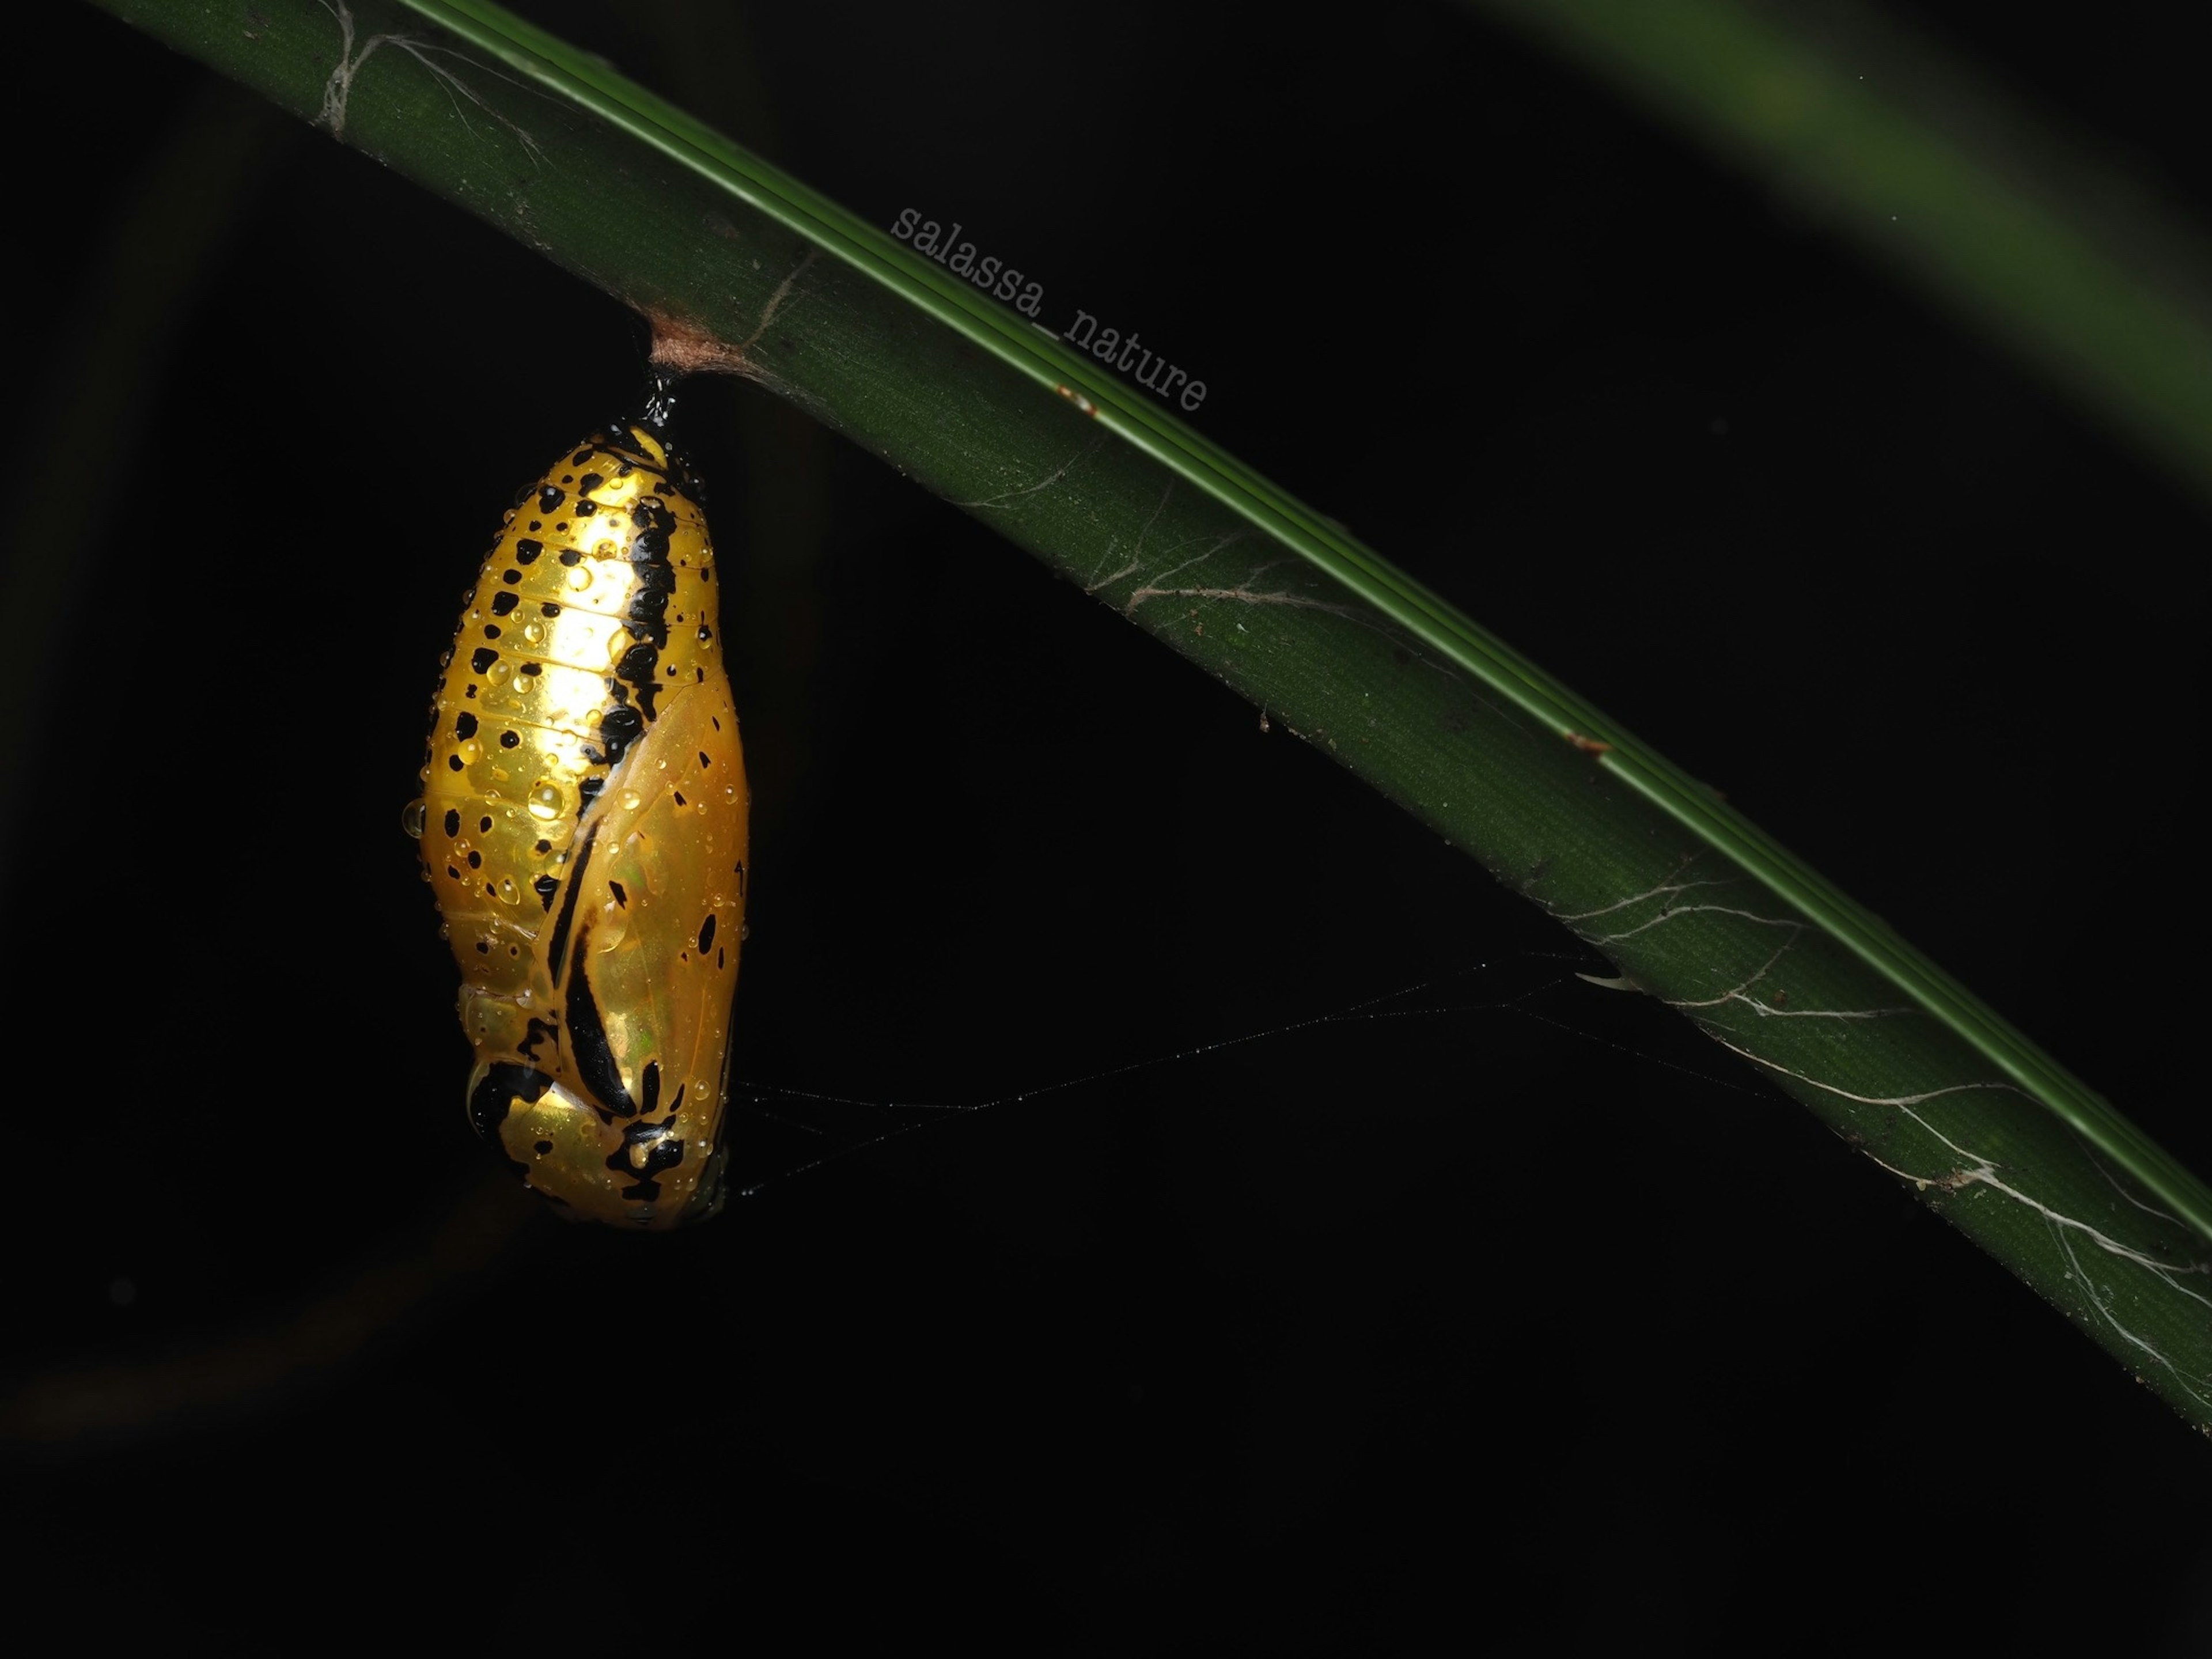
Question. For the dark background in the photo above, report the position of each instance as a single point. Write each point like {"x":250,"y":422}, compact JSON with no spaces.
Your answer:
{"x":1543,"y":1324}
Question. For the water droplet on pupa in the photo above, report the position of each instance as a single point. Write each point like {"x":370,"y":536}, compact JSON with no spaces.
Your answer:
{"x":500,"y":673}
{"x":579,"y":577}
{"x":546,"y":802}
{"x":508,"y":892}
{"x":412,"y":819}
{"x":631,"y":801}
{"x":534,"y":632}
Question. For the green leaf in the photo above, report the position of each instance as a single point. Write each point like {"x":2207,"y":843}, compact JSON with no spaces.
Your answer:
{"x":745,"y":271}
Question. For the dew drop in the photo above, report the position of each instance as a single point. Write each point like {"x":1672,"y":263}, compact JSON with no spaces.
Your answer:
{"x":579,"y":577}
{"x":631,"y":801}
{"x":547,"y":803}
{"x":612,"y":927}
{"x":534,"y":633}
{"x":508,"y":892}
{"x":500,"y":673}
{"x":412,"y":819}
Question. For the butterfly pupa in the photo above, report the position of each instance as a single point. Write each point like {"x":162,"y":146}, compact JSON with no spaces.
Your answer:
{"x":583,"y":827}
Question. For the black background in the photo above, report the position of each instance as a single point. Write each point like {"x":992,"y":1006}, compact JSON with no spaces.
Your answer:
{"x":1544,"y":1325}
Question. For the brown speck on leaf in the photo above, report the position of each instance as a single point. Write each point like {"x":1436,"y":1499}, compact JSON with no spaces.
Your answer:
{"x":688,"y":348}
{"x":1587,"y":745}
{"x":1078,"y":400}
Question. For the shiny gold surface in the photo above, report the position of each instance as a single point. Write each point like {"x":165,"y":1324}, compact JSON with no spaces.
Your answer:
{"x":583,"y":827}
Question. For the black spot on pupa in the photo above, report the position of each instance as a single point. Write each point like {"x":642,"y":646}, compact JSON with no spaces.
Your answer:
{"x":503,"y":603}
{"x":648,"y":1088}
{"x":706,"y":935}
{"x":510,"y":577}
{"x":618,"y":728}
{"x":703,"y":761}
{"x":483,"y":659}
{"x":649,"y":600}
{"x":491,"y":630}
{"x":545,"y":887}
{"x":705,"y":633}
{"x":588,"y":791}
{"x":504,"y":1083}
{"x":541,"y":1147}
{"x":464,"y":727}
{"x":662,"y":1153}
{"x":637,"y":663}
{"x":476,"y":860}
{"x":533,"y":669}
{"x":549,"y":609}
{"x":572,"y":556}
{"x":678,"y":794}
{"x":580,"y":457}
{"x":452,"y":822}
{"x":484,"y":824}
{"x":509,"y":739}
{"x":526,"y":550}
{"x":588,"y":483}
{"x":587,"y":1036}
{"x":621,"y":898}
{"x":555,"y":958}
{"x":545,"y":847}
{"x":549,"y":497}
{"x":453,"y":762}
